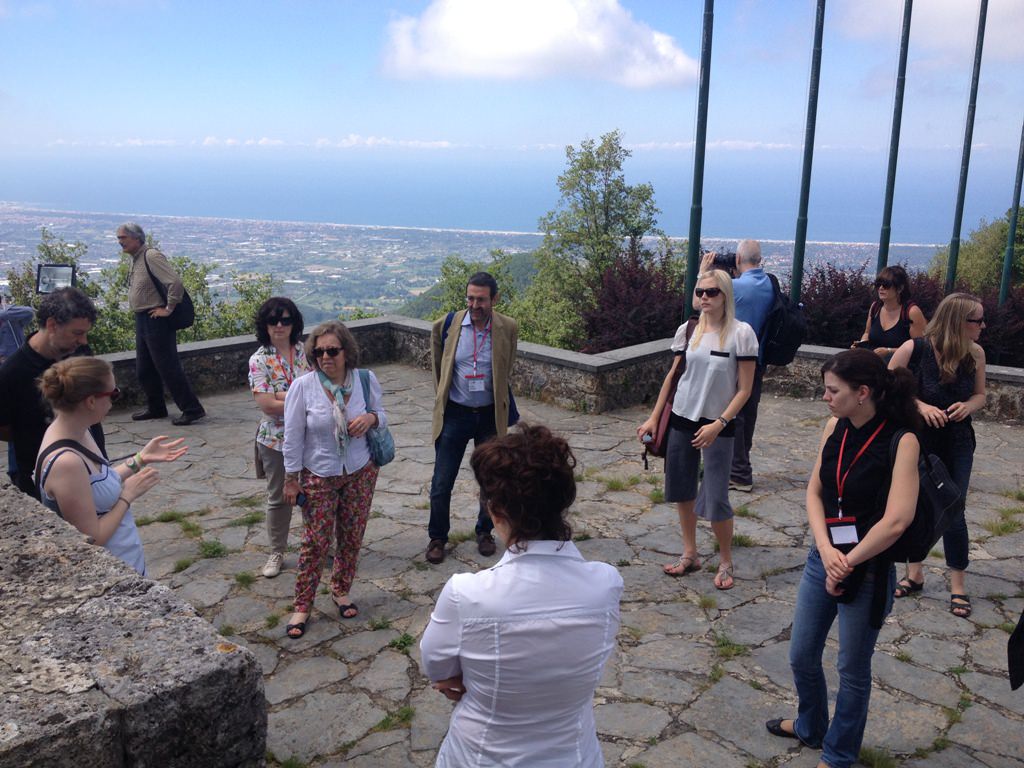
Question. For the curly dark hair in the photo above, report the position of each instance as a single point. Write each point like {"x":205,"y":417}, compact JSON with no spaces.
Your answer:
{"x":277,"y":305}
{"x":892,"y":392}
{"x":527,"y":478}
{"x":65,"y":305}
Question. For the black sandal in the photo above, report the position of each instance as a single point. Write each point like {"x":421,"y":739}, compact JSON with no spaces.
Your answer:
{"x":301,"y":626}
{"x":907,"y":586}
{"x":348,"y":607}
{"x":960,"y":606}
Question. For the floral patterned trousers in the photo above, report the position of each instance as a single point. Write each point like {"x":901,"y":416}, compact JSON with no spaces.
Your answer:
{"x":342,"y":503}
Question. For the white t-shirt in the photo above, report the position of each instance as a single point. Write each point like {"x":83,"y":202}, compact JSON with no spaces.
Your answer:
{"x":711,"y":377}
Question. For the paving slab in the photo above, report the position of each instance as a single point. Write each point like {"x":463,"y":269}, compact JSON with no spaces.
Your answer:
{"x":667,"y":697}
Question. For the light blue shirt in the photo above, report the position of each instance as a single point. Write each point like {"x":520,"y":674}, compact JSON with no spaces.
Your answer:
{"x":754,"y":297}
{"x":481,"y":343}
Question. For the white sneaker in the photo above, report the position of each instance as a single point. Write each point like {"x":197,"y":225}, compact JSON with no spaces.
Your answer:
{"x":274,"y":564}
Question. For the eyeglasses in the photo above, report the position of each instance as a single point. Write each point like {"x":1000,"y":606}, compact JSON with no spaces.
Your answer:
{"x":979,"y":321}
{"x":113,"y":394}
{"x":709,"y":292}
{"x":319,"y":352}
{"x":883,"y":283}
{"x":281,"y":320}
{"x":474,"y":301}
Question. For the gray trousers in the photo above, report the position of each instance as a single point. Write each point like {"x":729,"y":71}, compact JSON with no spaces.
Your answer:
{"x":279,"y":511}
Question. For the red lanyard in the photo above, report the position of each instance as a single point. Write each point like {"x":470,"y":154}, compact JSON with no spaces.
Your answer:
{"x":483,"y":342}
{"x":841,"y":481}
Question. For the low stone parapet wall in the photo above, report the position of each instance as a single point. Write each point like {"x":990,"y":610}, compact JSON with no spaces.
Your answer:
{"x":101,"y":667}
{"x":590,"y":383}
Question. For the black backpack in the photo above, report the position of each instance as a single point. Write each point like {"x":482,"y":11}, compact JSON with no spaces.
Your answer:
{"x":939,"y":503}
{"x":784,"y":328}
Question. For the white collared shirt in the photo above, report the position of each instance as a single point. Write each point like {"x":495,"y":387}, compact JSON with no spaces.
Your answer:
{"x":309,"y":432}
{"x":530,"y":638}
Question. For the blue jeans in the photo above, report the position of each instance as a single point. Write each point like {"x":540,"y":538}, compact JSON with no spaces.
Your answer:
{"x":461,"y":425}
{"x":815,"y":613}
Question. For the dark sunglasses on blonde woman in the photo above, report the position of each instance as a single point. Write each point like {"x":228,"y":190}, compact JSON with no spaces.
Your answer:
{"x":709,"y":292}
{"x":113,"y":394}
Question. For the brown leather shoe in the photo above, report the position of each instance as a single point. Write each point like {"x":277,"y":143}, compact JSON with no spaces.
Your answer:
{"x":435,"y":551}
{"x":485,"y":544}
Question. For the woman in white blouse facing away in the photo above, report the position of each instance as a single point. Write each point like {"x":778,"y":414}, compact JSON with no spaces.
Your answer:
{"x":521,"y":646}
{"x":719,"y":375}
{"x":327,"y":460}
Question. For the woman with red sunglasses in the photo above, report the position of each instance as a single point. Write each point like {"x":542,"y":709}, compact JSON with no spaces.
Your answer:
{"x":74,"y":479}
{"x":719,"y":354}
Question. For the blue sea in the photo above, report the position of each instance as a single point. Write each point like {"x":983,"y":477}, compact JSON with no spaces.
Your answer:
{"x":745,"y":195}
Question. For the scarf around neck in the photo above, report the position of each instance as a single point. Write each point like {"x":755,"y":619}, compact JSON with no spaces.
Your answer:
{"x":338,"y":393}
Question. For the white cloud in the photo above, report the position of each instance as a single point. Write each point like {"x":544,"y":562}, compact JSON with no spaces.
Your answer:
{"x":533,"y":39}
{"x":938,"y":26}
{"x":729,"y":145}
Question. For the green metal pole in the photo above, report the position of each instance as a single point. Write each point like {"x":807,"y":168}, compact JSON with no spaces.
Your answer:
{"x":700,"y":140}
{"x":1004,"y":284}
{"x":805,"y":180}
{"x":894,"y":140}
{"x":958,"y":215}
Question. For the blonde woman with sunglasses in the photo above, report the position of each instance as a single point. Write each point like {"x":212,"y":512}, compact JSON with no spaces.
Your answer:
{"x":74,"y":478}
{"x":719,"y":359}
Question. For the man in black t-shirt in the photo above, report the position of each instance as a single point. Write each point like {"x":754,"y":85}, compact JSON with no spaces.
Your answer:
{"x":65,"y":317}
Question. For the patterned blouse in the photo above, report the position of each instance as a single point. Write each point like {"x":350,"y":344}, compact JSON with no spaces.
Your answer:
{"x":270,"y":373}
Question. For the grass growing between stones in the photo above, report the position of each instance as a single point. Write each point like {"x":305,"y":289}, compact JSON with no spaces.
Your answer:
{"x":657,"y":495}
{"x":875,"y":757}
{"x":458,"y":537}
{"x":244,"y":579}
{"x":623,"y":563}
{"x":170,"y":516}
{"x":1016,"y":495}
{"x":249,"y":502}
{"x":226,"y":629}
{"x":181,"y":565}
{"x":402,"y":643}
{"x":717,"y":673}
{"x":620,"y":484}
{"x":634,"y":632}
{"x":1003,"y":526}
{"x":397,"y":719}
{"x":272,"y":620}
{"x":740,"y":540}
{"x":726,"y":649}
{"x":143,"y":521}
{"x":744,"y":511}
{"x":582,"y":536}
{"x":379,"y":623}
{"x":212,"y":548}
{"x":903,"y":656}
{"x":707,"y":602}
{"x":250,"y":518}
{"x":191,"y":529}
{"x":1007,"y":627}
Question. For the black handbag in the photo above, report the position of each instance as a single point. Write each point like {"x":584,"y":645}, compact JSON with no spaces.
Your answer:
{"x":184,"y":314}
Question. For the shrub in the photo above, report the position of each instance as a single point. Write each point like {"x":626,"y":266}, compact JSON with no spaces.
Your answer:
{"x":640,"y":299}
{"x":836,"y":303}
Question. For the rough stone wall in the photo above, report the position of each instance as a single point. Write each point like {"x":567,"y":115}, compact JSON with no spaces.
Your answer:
{"x":589,"y":383}
{"x":99,"y":666}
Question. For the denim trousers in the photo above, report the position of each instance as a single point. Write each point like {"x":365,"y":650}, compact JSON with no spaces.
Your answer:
{"x":815,"y":613}
{"x":461,"y":424}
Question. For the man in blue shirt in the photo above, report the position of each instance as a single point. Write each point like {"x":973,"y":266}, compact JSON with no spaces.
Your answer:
{"x":754,"y":296}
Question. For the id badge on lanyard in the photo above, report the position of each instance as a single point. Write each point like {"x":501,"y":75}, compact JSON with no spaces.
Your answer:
{"x":842,"y":529}
{"x":476,"y":382}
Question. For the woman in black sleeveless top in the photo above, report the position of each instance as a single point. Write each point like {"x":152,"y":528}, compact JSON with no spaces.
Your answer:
{"x":859,"y":500}
{"x":893,"y":319}
{"x":950,"y":369}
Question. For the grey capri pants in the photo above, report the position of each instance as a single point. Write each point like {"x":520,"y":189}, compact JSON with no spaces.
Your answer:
{"x":682,"y":467}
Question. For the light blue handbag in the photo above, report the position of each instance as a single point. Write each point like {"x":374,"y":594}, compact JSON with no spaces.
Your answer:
{"x":378,"y":439}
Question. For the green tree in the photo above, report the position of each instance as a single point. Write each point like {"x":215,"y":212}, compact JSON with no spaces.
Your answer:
{"x":599,"y":215}
{"x":980,"y":262}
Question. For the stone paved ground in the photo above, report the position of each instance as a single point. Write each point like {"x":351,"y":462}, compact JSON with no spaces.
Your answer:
{"x":697,"y":671}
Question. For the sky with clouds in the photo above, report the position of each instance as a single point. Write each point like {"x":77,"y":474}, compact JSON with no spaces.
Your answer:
{"x":476,"y":81}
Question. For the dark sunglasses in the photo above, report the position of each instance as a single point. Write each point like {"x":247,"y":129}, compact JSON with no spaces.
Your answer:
{"x":329,"y":351}
{"x":709,"y":292}
{"x":979,"y":321}
{"x":280,"y":320}
{"x":883,"y":283}
{"x":113,"y":394}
